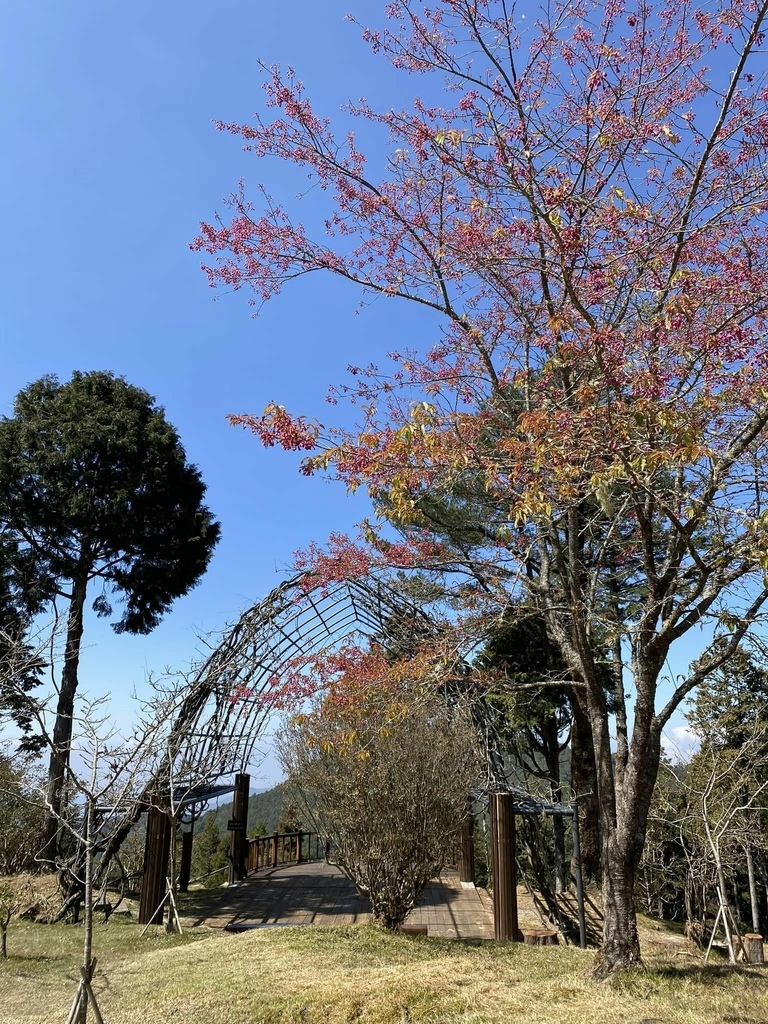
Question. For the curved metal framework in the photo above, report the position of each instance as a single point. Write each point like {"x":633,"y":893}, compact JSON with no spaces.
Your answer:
{"x":227,"y":704}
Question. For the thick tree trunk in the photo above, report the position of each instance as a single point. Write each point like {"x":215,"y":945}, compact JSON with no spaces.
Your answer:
{"x":623,"y":820}
{"x":62,"y":729}
{"x":584,"y":786}
{"x":621,"y":945}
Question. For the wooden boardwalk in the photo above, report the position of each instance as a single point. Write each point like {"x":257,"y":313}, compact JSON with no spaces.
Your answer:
{"x":318,"y":894}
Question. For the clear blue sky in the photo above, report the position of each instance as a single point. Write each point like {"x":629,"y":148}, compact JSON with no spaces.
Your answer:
{"x":110,"y":162}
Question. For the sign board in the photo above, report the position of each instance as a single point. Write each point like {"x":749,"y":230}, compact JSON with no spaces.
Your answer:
{"x":233,"y":825}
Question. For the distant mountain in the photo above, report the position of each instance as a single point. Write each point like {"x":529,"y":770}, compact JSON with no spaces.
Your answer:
{"x":267,"y":807}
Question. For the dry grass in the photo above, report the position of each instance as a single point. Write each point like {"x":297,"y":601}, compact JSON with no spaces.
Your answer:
{"x":40,"y":894}
{"x":361,"y":974}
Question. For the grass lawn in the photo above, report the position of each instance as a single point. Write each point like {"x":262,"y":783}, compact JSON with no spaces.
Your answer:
{"x":361,"y":974}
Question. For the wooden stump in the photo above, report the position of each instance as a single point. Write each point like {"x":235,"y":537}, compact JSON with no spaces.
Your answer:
{"x":753,"y":948}
{"x":539,"y":936}
{"x":413,"y":929}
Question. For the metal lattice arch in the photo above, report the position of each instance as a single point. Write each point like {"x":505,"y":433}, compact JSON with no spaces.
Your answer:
{"x":227,"y":705}
{"x":227,"y":701}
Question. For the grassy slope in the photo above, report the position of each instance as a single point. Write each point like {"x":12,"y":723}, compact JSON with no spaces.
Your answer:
{"x":311,"y":975}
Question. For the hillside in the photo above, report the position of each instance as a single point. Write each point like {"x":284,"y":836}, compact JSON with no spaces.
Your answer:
{"x":266,"y":807}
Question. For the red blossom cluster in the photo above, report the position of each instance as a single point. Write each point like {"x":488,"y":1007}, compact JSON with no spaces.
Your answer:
{"x":277,"y":427}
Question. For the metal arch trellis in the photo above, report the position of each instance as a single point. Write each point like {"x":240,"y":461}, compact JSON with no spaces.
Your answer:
{"x":226,"y":702}
{"x":226,"y":706}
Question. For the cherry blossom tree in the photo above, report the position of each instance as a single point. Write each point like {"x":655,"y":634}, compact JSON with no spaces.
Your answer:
{"x":584,"y":209}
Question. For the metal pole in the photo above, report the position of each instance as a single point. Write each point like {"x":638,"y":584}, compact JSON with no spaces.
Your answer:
{"x":579,"y":878}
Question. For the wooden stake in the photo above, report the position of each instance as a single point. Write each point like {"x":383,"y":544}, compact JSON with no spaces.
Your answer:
{"x":75,"y":1008}
{"x":158,"y":908}
{"x":94,"y":1005}
{"x":714,"y":932}
{"x":174,"y":908}
{"x":722,"y":914}
{"x":85,"y":992}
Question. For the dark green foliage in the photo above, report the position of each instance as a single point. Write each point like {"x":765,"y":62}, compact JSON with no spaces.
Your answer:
{"x":21,"y":666}
{"x":522,"y":651}
{"x":210,"y":854}
{"x":731,"y":703}
{"x":263,"y":808}
{"x":94,"y":485}
{"x":94,"y":482}
{"x":662,"y":878}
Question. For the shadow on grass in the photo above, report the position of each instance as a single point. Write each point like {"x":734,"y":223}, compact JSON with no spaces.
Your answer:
{"x":670,"y":977}
{"x":36,"y":958}
{"x":707,"y":974}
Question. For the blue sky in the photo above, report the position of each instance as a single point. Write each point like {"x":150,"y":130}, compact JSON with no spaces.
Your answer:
{"x":110,"y":162}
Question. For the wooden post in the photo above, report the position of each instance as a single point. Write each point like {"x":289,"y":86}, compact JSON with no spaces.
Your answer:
{"x":185,"y":867}
{"x":753,"y":948}
{"x":504,"y":871}
{"x":157,"y":847}
{"x":467,"y":848}
{"x":239,"y":839}
{"x":299,"y":839}
{"x":274,"y":850}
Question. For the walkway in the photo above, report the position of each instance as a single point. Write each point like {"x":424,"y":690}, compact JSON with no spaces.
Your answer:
{"x":318,"y":893}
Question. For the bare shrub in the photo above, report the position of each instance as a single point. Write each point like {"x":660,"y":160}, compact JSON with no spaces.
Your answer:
{"x":386,"y":780}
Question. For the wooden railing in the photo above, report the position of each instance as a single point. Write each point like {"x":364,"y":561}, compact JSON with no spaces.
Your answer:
{"x":283,"y":848}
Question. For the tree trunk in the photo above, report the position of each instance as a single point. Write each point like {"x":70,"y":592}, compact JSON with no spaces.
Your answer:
{"x":621,"y":945}
{"x":584,"y":786}
{"x":623,"y":821}
{"x":62,"y":729}
{"x":87,"y":908}
{"x":753,"y":890}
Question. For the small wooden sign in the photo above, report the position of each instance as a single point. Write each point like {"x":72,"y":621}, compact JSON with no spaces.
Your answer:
{"x":233,"y":825}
